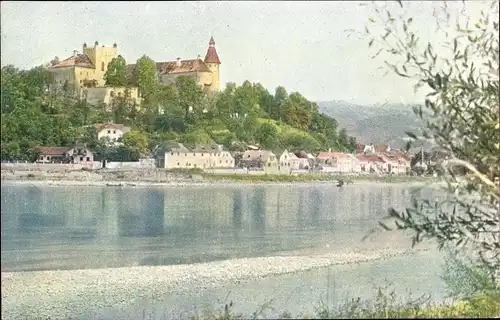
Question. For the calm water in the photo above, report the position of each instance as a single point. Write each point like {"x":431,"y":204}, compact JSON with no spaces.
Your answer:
{"x":94,"y":227}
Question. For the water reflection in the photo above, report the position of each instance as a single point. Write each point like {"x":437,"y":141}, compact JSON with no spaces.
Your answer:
{"x":83,"y":227}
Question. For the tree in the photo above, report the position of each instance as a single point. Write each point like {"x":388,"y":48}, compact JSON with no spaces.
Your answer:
{"x":267,"y":135}
{"x":136,"y":143}
{"x":280,"y":96}
{"x":116,"y":74}
{"x":190,"y":97}
{"x":461,"y":117}
{"x":146,"y":78}
{"x":298,"y":141}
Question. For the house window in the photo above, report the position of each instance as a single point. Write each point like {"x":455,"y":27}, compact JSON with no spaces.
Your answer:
{"x":48,"y":157}
{"x":88,"y":158}
{"x":102,"y":66}
{"x":114,"y":131}
{"x":81,"y":158}
{"x":220,"y":161}
{"x":185,"y":154}
{"x":41,"y":157}
{"x":178,"y":153}
{"x":171,"y":153}
{"x":202,"y":154}
{"x":178,"y":163}
{"x":109,"y":131}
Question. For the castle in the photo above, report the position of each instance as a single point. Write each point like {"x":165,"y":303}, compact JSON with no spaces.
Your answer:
{"x":85,"y":71}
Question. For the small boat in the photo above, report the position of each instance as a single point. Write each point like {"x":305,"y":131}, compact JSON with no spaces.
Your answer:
{"x":113,"y":184}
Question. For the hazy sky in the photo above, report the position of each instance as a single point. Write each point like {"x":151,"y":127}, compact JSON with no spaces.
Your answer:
{"x":300,"y":45}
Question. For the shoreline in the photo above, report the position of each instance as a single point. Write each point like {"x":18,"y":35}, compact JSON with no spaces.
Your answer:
{"x":202,"y":183}
{"x":61,"y":293}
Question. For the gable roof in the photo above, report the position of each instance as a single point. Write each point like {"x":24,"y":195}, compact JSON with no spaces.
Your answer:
{"x":80,"y":60}
{"x":256,"y":155}
{"x":53,"y":151}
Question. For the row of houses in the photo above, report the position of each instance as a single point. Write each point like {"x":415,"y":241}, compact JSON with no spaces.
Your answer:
{"x":179,"y":156}
{"x":393,"y":162}
{"x":174,"y":155}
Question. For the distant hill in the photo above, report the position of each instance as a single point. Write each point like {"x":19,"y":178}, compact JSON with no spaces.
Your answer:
{"x":377,"y":123}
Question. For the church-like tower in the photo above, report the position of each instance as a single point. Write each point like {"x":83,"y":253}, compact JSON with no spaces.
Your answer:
{"x":213,"y":62}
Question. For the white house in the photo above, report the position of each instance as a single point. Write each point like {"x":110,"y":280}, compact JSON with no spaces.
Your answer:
{"x":288,"y":162}
{"x":111,"y":131}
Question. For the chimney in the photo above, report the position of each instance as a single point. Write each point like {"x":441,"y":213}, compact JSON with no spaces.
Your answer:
{"x":199,"y":57}
{"x":96,"y":44}
{"x":178,"y":62}
{"x":115,"y":45}
{"x":75,"y":53}
{"x":85,"y":45}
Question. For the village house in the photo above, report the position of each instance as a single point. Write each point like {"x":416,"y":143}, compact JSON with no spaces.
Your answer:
{"x":76,"y":155}
{"x":177,"y":155}
{"x":111,"y":131}
{"x":400,"y":162}
{"x":337,"y":162}
{"x":288,"y":162}
{"x":370,"y":163}
{"x":305,"y":160}
{"x":260,"y":160}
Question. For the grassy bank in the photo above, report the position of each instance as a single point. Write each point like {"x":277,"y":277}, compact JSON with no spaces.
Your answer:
{"x":384,"y":306}
{"x":312,"y":177}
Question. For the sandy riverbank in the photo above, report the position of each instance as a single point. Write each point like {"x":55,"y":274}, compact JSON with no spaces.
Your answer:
{"x":65,"y":294}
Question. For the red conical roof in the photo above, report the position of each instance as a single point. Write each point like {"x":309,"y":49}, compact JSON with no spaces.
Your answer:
{"x":212,"y":56}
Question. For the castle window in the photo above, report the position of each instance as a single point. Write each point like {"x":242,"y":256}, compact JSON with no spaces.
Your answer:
{"x":102,"y":66}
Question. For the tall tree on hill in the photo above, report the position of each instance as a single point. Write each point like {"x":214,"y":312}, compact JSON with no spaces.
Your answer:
{"x":280,"y":96}
{"x":116,"y":74}
{"x":146,"y":78}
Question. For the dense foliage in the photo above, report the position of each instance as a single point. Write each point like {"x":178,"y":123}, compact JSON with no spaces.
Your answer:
{"x":461,"y":118}
{"x":36,"y":113}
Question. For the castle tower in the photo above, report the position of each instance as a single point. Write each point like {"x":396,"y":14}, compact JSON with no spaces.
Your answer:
{"x":213,"y":62}
{"x":100,"y":57}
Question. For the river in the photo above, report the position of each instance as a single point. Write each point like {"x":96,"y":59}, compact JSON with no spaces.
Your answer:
{"x":67,"y":228}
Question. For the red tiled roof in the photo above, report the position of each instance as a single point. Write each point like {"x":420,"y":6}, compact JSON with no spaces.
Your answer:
{"x":212,"y":56}
{"x":369,"y":158}
{"x":326,"y":155}
{"x":53,"y":151}
{"x":172,"y":67}
{"x":80,"y":60}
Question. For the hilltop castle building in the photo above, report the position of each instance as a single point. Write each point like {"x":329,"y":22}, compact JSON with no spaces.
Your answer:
{"x":205,"y":72}
{"x":87,"y":69}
